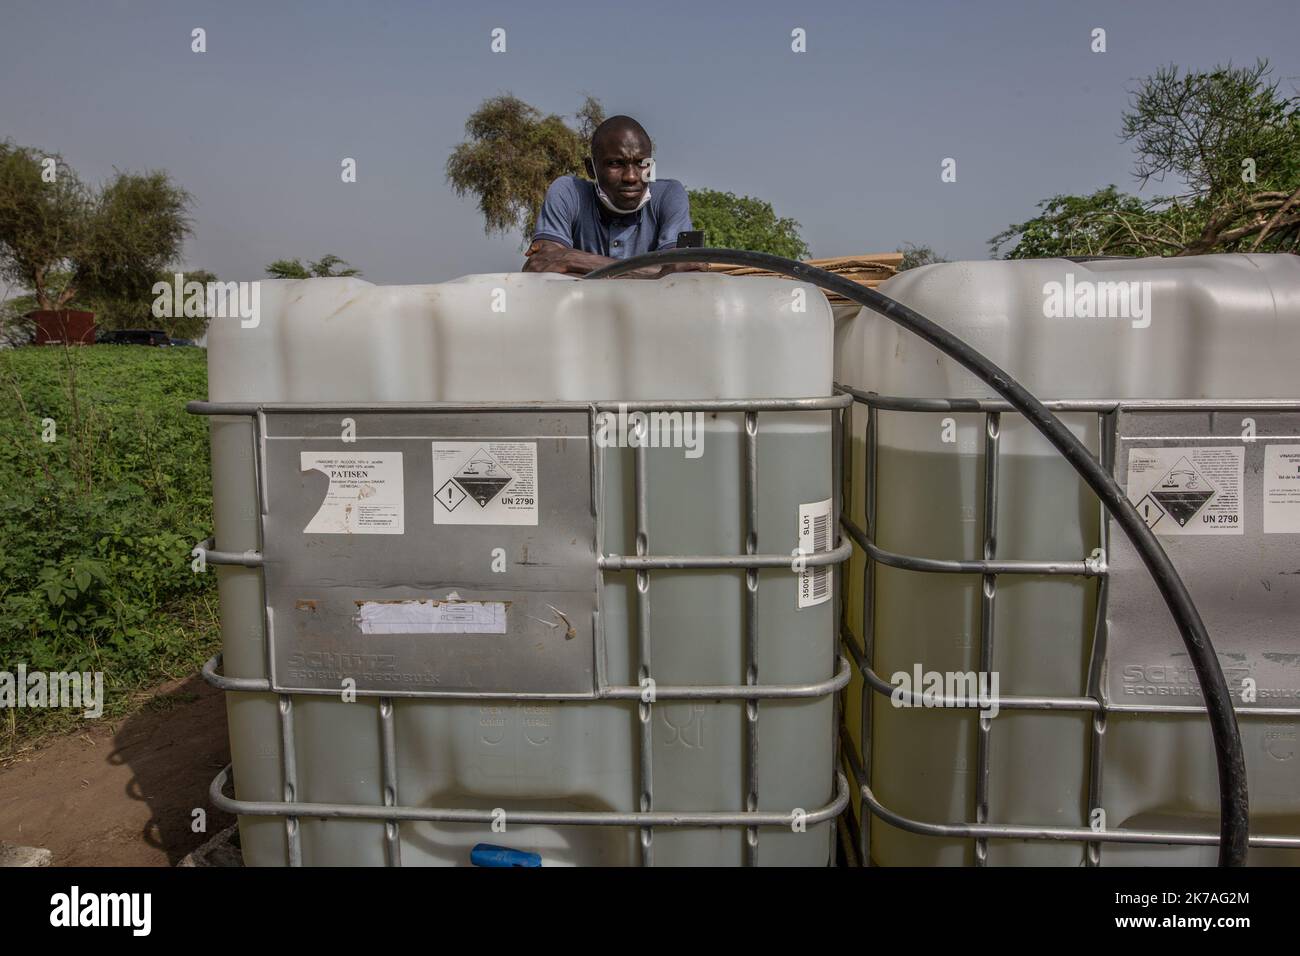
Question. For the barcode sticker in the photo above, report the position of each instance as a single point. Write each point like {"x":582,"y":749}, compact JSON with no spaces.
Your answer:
{"x":814,"y":536}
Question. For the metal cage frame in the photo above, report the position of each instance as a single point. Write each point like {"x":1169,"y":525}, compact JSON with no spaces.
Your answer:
{"x":860,"y":650}
{"x":643,"y":564}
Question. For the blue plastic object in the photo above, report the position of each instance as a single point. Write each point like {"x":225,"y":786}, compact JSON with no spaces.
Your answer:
{"x":485,"y":854}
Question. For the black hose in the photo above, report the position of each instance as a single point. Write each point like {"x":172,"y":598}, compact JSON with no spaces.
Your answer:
{"x":1234,"y":813}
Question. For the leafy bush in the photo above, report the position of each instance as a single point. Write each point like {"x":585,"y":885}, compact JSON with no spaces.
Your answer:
{"x":98,"y":523}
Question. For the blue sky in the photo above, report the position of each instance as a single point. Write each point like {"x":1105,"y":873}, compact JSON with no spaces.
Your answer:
{"x":847,"y":138}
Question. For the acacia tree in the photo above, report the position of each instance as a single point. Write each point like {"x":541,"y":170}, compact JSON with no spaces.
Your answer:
{"x":324,"y":267}
{"x":67,"y":241}
{"x":1229,"y":136}
{"x":512,"y":152}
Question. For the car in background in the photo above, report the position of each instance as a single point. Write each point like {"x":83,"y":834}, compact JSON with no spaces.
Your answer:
{"x":155,"y":337}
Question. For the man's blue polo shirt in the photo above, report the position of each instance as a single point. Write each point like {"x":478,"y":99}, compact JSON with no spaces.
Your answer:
{"x":572,"y":216}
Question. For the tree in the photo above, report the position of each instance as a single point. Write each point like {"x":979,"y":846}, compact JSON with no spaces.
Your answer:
{"x":743,"y":222}
{"x":914,"y":256}
{"x":1106,"y":222}
{"x":137,"y":312}
{"x":128,"y":311}
{"x":67,"y":241}
{"x":511,"y":153}
{"x":321,"y":268}
{"x":1228,"y":135}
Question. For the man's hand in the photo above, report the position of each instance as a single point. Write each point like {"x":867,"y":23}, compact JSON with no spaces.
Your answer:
{"x":686,"y":267}
{"x":545,"y":256}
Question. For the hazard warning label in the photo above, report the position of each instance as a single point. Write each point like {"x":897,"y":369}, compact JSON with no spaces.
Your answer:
{"x":1282,"y":489}
{"x":1188,"y":490}
{"x":485,"y":482}
{"x":364,"y":495}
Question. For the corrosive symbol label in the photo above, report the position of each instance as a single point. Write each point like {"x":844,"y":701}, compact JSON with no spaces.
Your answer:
{"x":482,"y":477}
{"x":1188,"y":489}
{"x":1183,"y":491}
{"x":485,"y":481}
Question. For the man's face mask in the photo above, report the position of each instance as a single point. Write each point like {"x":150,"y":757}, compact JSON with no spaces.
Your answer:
{"x":647,"y":176}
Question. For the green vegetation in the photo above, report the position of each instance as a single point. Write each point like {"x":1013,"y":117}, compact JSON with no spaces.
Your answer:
{"x":915,"y":256}
{"x":322,"y":268}
{"x":1228,"y":136}
{"x":743,"y":222}
{"x":98,"y":524}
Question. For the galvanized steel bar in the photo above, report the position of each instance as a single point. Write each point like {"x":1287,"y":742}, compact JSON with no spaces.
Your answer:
{"x":1005,"y":831}
{"x":840,"y":439}
{"x":289,"y":773}
{"x":262,"y":492}
{"x":213,"y":676}
{"x":1097,"y":652}
{"x":388,"y":767}
{"x":900,"y":403}
{"x":645,"y":707}
{"x":870,"y":463}
{"x":242,"y":559}
{"x":916,"y":698}
{"x":988,"y":597}
{"x":904,"y":403}
{"x":906,"y":562}
{"x":680,"y":405}
{"x":699,"y":562}
{"x":599,"y":818}
{"x":612,"y":692}
{"x":751,"y":631}
{"x":738,"y":691}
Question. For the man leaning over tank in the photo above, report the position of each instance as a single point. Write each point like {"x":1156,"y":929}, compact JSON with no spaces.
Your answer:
{"x":619,"y":213}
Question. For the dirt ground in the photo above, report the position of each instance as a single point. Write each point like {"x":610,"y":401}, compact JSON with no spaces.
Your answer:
{"x":122,"y":793}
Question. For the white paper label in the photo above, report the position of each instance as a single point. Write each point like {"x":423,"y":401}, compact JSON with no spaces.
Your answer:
{"x":815,"y":535}
{"x":432,"y":617}
{"x":1190,"y":490}
{"x":485,"y":482}
{"x":1282,"y":489}
{"x":364,"y":494}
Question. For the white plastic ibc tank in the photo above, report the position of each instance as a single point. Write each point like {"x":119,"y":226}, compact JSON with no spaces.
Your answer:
{"x":1218,"y":327}
{"x":556,"y":339}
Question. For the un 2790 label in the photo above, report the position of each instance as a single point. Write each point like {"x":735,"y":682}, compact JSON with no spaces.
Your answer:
{"x":1188,"y":490}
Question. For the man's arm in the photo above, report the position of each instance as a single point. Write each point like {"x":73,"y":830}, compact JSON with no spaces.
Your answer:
{"x":545,"y":255}
{"x":552,"y":237}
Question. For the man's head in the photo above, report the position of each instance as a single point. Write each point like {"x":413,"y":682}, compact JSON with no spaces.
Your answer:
{"x":619,"y":149}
